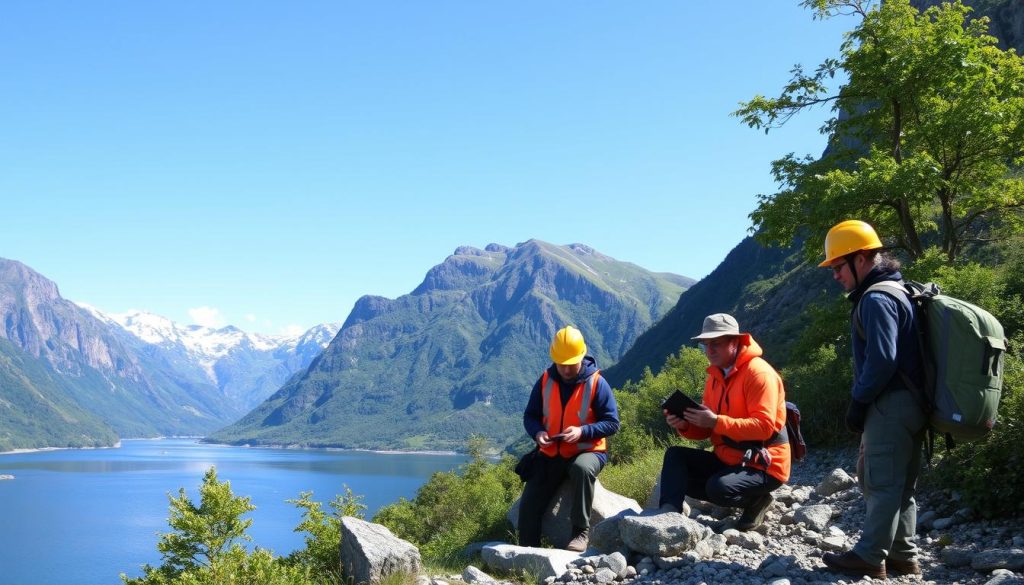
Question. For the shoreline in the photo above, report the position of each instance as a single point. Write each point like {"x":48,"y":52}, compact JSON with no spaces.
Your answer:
{"x":198,"y":439}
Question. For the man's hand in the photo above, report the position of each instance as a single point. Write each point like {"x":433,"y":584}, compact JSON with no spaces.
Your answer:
{"x":543,"y":439}
{"x":675,"y":422}
{"x":702,"y":417}
{"x":571,"y":434}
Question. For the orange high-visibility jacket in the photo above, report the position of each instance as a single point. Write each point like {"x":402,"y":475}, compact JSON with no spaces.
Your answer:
{"x":578,"y":412}
{"x":751,"y":406}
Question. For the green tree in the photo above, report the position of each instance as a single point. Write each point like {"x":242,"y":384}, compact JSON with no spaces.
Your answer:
{"x":322,"y":555}
{"x":927,"y":132}
{"x":205,"y":547}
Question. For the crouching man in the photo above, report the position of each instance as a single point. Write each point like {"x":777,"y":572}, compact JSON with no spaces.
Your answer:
{"x":744,"y":415}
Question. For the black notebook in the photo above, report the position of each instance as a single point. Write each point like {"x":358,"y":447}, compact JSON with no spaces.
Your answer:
{"x":678,"y":402}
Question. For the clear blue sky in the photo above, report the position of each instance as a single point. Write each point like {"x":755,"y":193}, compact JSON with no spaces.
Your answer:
{"x":268,"y":163}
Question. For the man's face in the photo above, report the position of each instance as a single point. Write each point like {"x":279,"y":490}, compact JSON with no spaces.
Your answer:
{"x":569,"y":372}
{"x":842,"y":272}
{"x":721,"y":351}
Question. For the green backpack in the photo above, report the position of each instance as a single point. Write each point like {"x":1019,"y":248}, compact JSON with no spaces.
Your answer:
{"x":962,"y":348}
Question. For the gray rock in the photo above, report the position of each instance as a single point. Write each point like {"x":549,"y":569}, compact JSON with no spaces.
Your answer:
{"x":710,"y":546}
{"x":606,"y":576}
{"x":749,"y":540}
{"x":833,"y":543}
{"x":370,"y":552}
{"x":943,"y":523}
{"x":663,"y":535}
{"x":630,"y":572}
{"x":782,"y":581}
{"x":555,"y":524}
{"x":472,"y":574}
{"x":924,"y":521}
{"x":604,"y":536}
{"x":616,"y":562}
{"x":668,"y":563}
{"x":988,"y":560}
{"x":542,"y":562}
{"x":422,"y":580}
{"x":814,"y":517}
{"x":835,"y":482}
{"x":956,"y":557}
{"x":1004,"y":577}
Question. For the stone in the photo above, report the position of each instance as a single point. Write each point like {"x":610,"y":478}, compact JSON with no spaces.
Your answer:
{"x":814,"y":517}
{"x":956,"y":557}
{"x":604,"y":536}
{"x":472,"y":574}
{"x":606,"y":576}
{"x":749,"y":540}
{"x":924,"y":521}
{"x":370,"y":552}
{"x":835,"y":482}
{"x":943,"y":523}
{"x":988,"y":560}
{"x":616,"y":562}
{"x":833,"y":543}
{"x":542,"y":562}
{"x":710,"y":546}
{"x":662,"y":535}
{"x":556,"y":526}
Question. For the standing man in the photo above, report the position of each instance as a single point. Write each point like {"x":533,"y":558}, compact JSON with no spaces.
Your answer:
{"x":744,"y":415}
{"x":570,"y":413}
{"x":883,"y":409}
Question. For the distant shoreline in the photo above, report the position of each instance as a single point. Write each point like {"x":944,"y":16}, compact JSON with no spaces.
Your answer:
{"x":246,"y":446}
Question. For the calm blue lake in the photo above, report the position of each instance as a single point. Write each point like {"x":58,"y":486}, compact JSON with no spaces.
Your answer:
{"x":84,"y":517}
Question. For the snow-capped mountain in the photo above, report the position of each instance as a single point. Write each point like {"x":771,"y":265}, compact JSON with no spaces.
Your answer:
{"x":247,"y":367}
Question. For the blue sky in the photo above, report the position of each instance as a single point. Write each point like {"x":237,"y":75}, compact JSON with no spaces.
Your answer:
{"x":264,"y":164}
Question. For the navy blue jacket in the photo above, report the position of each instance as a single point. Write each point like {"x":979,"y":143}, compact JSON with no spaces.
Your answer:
{"x":890,"y":345}
{"x":606,"y":410}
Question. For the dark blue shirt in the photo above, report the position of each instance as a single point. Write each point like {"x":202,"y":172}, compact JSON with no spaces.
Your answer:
{"x":889,"y":344}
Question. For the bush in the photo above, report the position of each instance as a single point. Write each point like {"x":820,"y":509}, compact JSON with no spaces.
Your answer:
{"x":456,"y":508}
{"x":205,"y":546}
{"x":322,"y":555}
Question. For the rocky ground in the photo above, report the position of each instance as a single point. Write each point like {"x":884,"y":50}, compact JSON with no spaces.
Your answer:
{"x":819,"y":510}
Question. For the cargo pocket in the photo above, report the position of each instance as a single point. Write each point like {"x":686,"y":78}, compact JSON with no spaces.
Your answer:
{"x":879,"y":465}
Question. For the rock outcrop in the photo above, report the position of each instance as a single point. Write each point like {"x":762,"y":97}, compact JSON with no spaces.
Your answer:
{"x":370,"y":552}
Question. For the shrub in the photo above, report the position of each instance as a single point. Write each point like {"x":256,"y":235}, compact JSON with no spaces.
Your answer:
{"x":322,"y":555}
{"x":456,"y":508}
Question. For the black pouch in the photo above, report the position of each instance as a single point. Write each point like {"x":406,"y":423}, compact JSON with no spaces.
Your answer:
{"x":528,"y":464}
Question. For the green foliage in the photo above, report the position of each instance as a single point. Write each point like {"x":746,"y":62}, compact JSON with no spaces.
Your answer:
{"x":454,"y":509}
{"x":640,"y":402}
{"x":636,"y":478}
{"x":322,"y":555}
{"x":204,"y":547}
{"x":820,"y":387}
{"x":933,"y":126}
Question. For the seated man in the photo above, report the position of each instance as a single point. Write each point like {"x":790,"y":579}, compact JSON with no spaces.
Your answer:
{"x":570,"y":412}
{"x":744,"y":414}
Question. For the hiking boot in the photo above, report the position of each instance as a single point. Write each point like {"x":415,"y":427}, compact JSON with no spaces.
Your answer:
{"x":580,"y":541}
{"x":897,"y":567}
{"x":849,"y":563}
{"x":753,"y":515}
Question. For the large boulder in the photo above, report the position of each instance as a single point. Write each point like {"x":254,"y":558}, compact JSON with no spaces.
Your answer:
{"x":542,"y":562}
{"x":556,"y":525}
{"x":370,"y":552}
{"x":662,"y":535}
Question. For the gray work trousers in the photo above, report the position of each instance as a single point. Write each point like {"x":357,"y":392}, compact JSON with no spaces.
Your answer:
{"x":888,"y":467}
{"x":582,"y":470}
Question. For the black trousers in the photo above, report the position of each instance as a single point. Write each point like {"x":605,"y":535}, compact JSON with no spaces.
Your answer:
{"x":701,"y":475}
{"x":545,"y":481}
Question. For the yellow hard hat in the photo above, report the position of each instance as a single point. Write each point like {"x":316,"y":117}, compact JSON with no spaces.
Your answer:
{"x":567,"y":347}
{"x":847,"y":237}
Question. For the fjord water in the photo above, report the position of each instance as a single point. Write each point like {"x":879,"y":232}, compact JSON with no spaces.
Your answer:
{"x":84,"y":516}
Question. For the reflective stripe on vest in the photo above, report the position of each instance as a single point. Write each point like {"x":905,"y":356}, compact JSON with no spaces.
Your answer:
{"x":585,"y":392}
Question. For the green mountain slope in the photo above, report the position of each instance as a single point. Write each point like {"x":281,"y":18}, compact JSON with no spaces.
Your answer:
{"x":460,"y":353}
{"x":36,"y":410}
{"x":101,"y":369}
{"x":766,"y":289}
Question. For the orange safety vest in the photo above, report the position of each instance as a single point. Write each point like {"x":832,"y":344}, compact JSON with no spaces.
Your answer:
{"x":577,"y":413}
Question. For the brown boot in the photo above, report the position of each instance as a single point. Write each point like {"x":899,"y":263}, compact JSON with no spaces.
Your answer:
{"x":580,"y":541}
{"x":897,"y":567}
{"x":753,"y":515}
{"x":849,"y":563}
